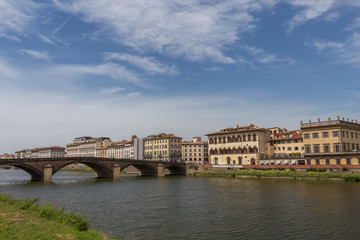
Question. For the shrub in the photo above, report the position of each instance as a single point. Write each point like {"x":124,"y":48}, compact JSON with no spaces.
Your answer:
{"x":344,"y":169}
{"x":292,"y":169}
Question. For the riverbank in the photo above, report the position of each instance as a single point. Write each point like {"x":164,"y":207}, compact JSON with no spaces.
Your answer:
{"x":23,"y":219}
{"x":288,"y":174}
{"x":82,"y":169}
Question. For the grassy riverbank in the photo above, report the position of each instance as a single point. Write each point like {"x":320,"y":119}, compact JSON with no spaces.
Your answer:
{"x":23,"y":219}
{"x":282,"y":174}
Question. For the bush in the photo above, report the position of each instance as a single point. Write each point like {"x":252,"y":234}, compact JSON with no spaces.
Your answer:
{"x":292,"y":169}
{"x":344,"y":169}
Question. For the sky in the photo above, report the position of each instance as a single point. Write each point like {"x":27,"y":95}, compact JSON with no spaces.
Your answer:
{"x":115,"y":68}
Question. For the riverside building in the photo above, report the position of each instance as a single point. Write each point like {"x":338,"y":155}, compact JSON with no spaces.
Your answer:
{"x":84,"y":146}
{"x":238,"y":146}
{"x":287,"y":143}
{"x":162,"y":147}
{"x":195,"y":151}
{"x":331,"y":142}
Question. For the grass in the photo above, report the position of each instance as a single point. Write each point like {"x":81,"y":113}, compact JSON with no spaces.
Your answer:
{"x":351,"y":177}
{"x":24,"y":219}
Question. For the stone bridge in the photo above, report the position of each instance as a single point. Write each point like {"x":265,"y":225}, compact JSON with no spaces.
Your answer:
{"x":42,"y":169}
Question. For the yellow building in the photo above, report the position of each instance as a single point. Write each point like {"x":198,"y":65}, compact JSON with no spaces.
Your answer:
{"x":287,"y":144}
{"x":195,"y":151}
{"x":162,"y":147}
{"x":238,"y":146}
{"x":331,"y":142}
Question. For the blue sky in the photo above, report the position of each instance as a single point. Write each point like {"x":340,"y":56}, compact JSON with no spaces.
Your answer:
{"x":117,"y":68}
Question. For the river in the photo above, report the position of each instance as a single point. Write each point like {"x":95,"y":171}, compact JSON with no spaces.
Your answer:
{"x":186,"y":207}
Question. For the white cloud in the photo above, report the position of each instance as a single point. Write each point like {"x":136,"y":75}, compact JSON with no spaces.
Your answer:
{"x":36,"y":54}
{"x":261,"y":56}
{"x":46,"y":39}
{"x":149,"y":64}
{"x":354,"y":25}
{"x":312,"y":10}
{"x":16,"y":18}
{"x":111,"y":70}
{"x":193,"y":29}
{"x":332,"y":16}
{"x":6,"y":70}
{"x":347,"y":52}
{"x":112,"y":90}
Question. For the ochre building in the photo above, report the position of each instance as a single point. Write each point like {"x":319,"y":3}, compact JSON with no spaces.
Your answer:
{"x":195,"y":151}
{"x":331,"y":142}
{"x":162,"y":147}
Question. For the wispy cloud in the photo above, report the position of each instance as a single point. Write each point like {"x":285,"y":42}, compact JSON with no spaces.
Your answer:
{"x":195,"y":30}
{"x":149,"y":64}
{"x":311,"y":10}
{"x":332,"y":16}
{"x":347,"y":52}
{"x":17,"y":18}
{"x":261,"y":56}
{"x":354,"y":25}
{"x":6,"y":70}
{"x":36,"y":54}
{"x":111,"y":70}
{"x":112,"y":90}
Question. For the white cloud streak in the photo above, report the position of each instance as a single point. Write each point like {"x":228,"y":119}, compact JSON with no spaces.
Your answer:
{"x":36,"y":54}
{"x":192,"y":29}
{"x":149,"y":64}
{"x":17,"y":18}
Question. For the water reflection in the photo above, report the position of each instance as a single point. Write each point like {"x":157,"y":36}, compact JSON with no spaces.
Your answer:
{"x":183,"y":207}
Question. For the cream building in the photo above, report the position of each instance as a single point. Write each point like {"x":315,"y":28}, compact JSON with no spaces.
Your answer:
{"x":331,"y":142}
{"x":195,"y":151}
{"x":162,"y":147}
{"x":238,"y":146}
{"x":287,"y":143}
{"x":85,"y":146}
{"x":52,"y":152}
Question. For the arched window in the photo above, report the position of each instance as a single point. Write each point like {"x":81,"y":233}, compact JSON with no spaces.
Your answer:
{"x":251,"y":150}
{"x":255,"y":150}
{"x":221,"y":151}
{"x":215,"y":140}
{"x":238,"y":138}
{"x":224,"y":140}
{"x":219,"y":139}
{"x":233,"y":139}
{"x":249,"y":137}
{"x":244,"y":138}
{"x":244,"y":150}
{"x":228,"y":139}
{"x":216,"y":152}
{"x":211,"y":141}
{"x":234,"y":150}
{"x":254,"y":137}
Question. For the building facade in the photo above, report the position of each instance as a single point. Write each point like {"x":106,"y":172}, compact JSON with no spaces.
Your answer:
{"x":287,"y":144}
{"x":238,"y":146}
{"x":195,"y":151}
{"x":162,"y":147}
{"x":86,"y":146}
{"x":52,"y":152}
{"x":331,"y":142}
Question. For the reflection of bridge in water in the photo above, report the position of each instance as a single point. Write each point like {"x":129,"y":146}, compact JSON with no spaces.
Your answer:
{"x":42,"y":169}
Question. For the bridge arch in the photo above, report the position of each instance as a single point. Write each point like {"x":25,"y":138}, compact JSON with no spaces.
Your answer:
{"x":36,"y":174}
{"x":102,"y":170}
{"x":176,"y":170}
{"x":145,"y":169}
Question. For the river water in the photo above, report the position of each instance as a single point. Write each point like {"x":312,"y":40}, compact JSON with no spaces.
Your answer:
{"x":186,"y":207}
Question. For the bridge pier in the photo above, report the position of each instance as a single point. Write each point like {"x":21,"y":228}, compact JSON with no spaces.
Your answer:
{"x":116,"y":171}
{"x":48,"y":172}
{"x":160,"y":170}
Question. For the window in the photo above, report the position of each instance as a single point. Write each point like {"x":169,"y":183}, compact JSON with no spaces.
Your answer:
{"x":308,"y":161}
{"x":327,"y":161}
{"x":338,"y":161}
{"x":348,"y":161}
{"x":352,"y":135}
{"x":315,"y":135}
{"x":326,"y":148}
{"x":306,"y":135}
{"x":289,"y":148}
{"x":336,"y":147}
{"x":296,"y":148}
{"x":317,"y":161}
{"x":335,"y":133}
{"x":307,"y":149}
{"x":316,"y":148}
{"x":325,"y":134}
{"x":288,"y":141}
